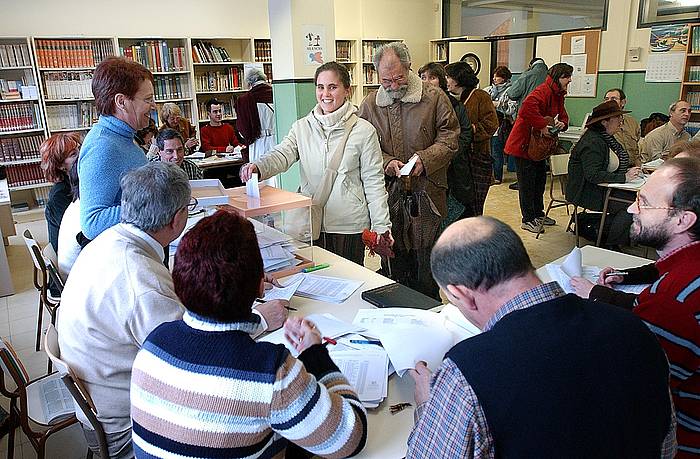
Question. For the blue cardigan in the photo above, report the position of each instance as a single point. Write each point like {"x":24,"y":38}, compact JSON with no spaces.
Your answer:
{"x":107,"y":153}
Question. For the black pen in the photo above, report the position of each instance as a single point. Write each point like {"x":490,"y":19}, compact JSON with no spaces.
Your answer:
{"x":288,"y":308}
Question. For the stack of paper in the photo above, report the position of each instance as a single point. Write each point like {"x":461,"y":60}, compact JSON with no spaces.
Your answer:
{"x":323,"y":288}
{"x":276,"y":248}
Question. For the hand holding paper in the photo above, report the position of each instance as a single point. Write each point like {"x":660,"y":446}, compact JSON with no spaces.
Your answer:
{"x":252,"y":188}
{"x":408,"y":167}
{"x":572,"y":265}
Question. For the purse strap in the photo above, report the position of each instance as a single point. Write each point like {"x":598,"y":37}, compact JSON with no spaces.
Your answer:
{"x":323,"y":192}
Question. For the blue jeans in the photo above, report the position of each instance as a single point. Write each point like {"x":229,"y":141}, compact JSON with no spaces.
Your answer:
{"x":497,"y":154}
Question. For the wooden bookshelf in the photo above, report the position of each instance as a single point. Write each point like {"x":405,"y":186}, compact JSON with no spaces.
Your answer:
{"x":262,"y":52}
{"x":690,"y":87}
{"x":439,"y":51}
{"x":346,"y":53}
{"x":369,"y":79}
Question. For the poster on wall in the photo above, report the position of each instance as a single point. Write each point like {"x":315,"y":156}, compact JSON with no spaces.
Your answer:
{"x":667,"y":45}
{"x":582,"y":84}
{"x":314,"y":44}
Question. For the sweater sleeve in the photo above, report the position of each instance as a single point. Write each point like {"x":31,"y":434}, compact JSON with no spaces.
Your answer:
{"x":372,"y":177}
{"x":281,"y":157}
{"x":594,"y":165}
{"x":314,"y":406}
{"x":614,"y":297}
{"x":440,"y":153}
{"x":485,"y":120}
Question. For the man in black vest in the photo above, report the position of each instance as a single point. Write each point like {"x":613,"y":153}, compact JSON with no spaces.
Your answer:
{"x":552,"y":375}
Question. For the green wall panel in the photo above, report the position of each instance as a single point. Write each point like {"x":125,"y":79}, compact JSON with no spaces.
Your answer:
{"x":292,"y":101}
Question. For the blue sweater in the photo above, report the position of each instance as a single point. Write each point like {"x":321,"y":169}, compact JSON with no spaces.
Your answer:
{"x":108,"y":152}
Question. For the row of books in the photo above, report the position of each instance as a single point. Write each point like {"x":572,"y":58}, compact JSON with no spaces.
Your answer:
{"x":267,"y":69}
{"x":14,"y":55}
{"x":171,"y":87}
{"x":342,"y":51}
{"x":156,"y":55}
{"x":370,"y":75}
{"x":204,"y":52}
{"x":10,"y":89}
{"x":440,"y":52}
{"x":226,"y":106}
{"x":694,"y":73}
{"x":695,"y":40}
{"x":24,"y":174}
{"x":19,"y":117}
{"x":693,"y":98}
{"x":71,"y":116}
{"x":263,"y":50}
{"x":369,"y":49}
{"x":220,"y":80}
{"x":68,"y":85}
{"x":72,"y":53}
{"x":692,"y":127}
{"x":20,"y":148}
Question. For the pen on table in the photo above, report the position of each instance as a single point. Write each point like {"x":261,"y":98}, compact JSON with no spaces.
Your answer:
{"x":288,"y":308}
{"x":616,"y":273}
{"x":366,"y":341}
{"x":329,"y":340}
{"x":316,"y":268}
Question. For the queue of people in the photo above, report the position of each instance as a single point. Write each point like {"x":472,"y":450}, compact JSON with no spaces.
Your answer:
{"x":141,"y":338}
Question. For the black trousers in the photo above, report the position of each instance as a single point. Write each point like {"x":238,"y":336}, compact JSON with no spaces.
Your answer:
{"x":412,"y":269}
{"x":532,"y":179}
{"x":349,"y":246}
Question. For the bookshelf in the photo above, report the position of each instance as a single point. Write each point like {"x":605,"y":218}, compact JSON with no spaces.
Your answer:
{"x":262,"y":48}
{"x":66,"y":66}
{"x":346,"y":54}
{"x":690,"y":87}
{"x":439,"y":50}
{"x":369,"y":79}
{"x":21,"y":121}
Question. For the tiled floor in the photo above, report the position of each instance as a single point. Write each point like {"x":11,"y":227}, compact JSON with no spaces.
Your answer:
{"x":18,"y":312}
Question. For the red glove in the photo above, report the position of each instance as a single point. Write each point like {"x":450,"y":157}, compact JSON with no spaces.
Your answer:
{"x":377,"y":244}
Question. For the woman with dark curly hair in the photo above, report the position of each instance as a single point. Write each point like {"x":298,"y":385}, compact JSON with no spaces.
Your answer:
{"x":462,"y":82}
{"x":58,"y":153}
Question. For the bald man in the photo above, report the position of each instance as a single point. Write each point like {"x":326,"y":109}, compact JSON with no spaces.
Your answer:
{"x":552,"y":375}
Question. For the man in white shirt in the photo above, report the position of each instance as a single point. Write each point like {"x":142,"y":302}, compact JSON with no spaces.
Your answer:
{"x":119,"y":290}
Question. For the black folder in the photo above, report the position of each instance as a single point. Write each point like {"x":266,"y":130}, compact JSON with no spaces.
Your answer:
{"x":398,"y":296}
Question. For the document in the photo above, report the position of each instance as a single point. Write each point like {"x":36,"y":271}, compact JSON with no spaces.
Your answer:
{"x":367,"y":372}
{"x":282,"y":293}
{"x":252,"y":188}
{"x":56,"y":401}
{"x":572,"y":265}
{"x":323,"y":288}
{"x":408,"y":167}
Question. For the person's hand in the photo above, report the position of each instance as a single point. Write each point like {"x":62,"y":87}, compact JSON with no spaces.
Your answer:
{"x":418,"y":168}
{"x":275,"y":313}
{"x":191,"y":142}
{"x":559,"y":125}
{"x":632,"y":173}
{"x":545,"y":131}
{"x":270,"y":282}
{"x":301,"y":333}
{"x":421,"y":375}
{"x":608,"y":281}
{"x":247,"y":171}
{"x":391,"y":239}
{"x":393,"y":168}
{"x":229,"y":149}
{"x":581,"y":286}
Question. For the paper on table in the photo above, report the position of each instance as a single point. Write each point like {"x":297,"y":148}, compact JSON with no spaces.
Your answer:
{"x":252,"y":188}
{"x":590,"y":273}
{"x":572,"y":266}
{"x":333,"y":289}
{"x":457,"y":324}
{"x":367,"y":372}
{"x":282,"y":293}
{"x":653,"y":164}
{"x":408,"y":167}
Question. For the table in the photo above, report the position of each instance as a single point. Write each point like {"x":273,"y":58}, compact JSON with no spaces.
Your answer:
{"x":573,"y":134}
{"x":631,"y":186}
{"x":387,"y":434}
{"x":597,"y":256}
{"x":216,"y":161}
{"x":225,"y":169}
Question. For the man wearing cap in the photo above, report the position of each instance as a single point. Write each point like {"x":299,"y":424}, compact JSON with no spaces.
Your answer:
{"x":599,"y":158}
{"x":658,"y":142}
{"x":630,"y":132}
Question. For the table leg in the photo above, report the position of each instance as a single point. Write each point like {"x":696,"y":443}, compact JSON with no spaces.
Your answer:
{"x":602,"y":217}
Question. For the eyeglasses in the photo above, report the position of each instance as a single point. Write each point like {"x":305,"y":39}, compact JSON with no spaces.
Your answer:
{"x":397,"y":80}
{"x":641,"y":206}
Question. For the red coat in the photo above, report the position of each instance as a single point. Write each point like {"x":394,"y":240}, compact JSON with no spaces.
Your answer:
{"x":546,"y":100}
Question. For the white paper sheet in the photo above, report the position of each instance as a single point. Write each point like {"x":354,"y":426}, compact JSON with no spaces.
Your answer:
{"x":332,"y":289}
{"x":367,"y":371}
{"x":252,"y":188}
{"x":572,"y":265}
{"x":56,"y":399}
{"x":408,"y":167}
{"x":282,"y":293}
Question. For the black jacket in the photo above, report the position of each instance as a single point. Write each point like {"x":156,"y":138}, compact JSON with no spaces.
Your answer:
{"x":459,"y":175}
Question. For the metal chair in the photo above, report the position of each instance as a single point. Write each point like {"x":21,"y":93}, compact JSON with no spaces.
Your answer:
{"x":558,"y":171}
{"x":26,"y":407}
{"x":41,"y":283}
{"x":76,"y":389}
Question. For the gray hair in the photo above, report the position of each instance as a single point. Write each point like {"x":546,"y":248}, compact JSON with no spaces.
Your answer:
{"x":398,"y":48}
{"x":169,"y":108}
{"x":485,"y":253}
{"x":254,"y":75}
{"x":672,"y":107}
{"x":153,"y":194}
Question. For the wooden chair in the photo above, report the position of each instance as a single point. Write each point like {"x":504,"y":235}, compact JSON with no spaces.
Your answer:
{"x":26,"y":403}
{"x":559,"y":172}
{"x":76,"y":388}
{"x":41,"y":283}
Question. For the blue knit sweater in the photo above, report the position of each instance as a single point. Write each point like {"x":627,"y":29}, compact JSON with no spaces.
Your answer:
{"x":108,"y":152}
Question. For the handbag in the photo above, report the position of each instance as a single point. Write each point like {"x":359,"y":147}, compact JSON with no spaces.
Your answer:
{"x":323,"y":190}
{"x":414,"y":217}
{"x":541,"y":146}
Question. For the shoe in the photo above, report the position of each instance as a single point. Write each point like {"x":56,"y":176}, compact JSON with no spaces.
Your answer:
{"x":497,"y":182}
{"x":547,"y":221}
{"x":513,"y":186}
{"x":533,"y":226}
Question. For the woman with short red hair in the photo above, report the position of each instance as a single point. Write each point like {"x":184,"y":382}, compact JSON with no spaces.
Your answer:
{"x":58,"y":153}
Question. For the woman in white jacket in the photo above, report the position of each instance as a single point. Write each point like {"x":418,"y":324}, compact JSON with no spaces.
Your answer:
{"x":358,"y":198}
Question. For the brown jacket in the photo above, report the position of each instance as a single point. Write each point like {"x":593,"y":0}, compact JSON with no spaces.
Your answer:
{"x":422,"y":122}
{"x":482,"y":115}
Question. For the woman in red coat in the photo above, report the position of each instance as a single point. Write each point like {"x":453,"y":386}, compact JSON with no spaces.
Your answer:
{"x":542,"y":110}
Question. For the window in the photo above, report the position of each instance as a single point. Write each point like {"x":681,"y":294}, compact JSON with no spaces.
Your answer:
{"x":667,"y":12}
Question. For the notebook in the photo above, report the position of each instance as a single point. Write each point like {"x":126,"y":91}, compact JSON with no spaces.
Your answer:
{"x":398,"y":296}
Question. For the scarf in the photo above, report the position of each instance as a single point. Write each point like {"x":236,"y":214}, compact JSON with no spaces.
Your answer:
{"x":248,"y":120}
{"x":619,"y":150}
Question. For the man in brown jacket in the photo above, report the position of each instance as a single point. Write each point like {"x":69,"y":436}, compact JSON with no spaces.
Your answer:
{"x":412,"y":117}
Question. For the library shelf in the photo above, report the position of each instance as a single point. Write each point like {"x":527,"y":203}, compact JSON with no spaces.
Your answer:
{"x":172,"y":72}
{"x":20,"y":132}
{"x":21,"y":161}
{"x":212,"y":64}
{"x":21,"y":67}
{"x":10,"y":101}
{"x":72,"y":99}
{"x":182,"y":99}
{"x":82,"y":128}
{"x":225,"y":91}
{"x":65,"y":69}
{"x":31,"y":186}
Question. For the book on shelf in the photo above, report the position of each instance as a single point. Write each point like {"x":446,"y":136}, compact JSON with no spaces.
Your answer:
{"x":19,"y":116}
{"x":370,"y":75}
{"x":68,"y":85}
{"x":219,"y":80}
{"x":71,"y":116}
{"x":693,"y":98}
{"x":205,"y":52}
{"x":14,"y":55}
{"x":692,"y":127}
{"x":20,"y":148}
{"x":156,"y":55}
{"x":72,"y":53}
{"x":695,"y":43}
{"x":263,"y":50}
{"x":342,"y":51}
{"x":694,"y":73}
{"x":24,"y":174}
{"x":171,"y":87}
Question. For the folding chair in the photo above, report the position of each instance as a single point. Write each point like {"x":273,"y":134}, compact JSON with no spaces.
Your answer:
{"x":558,"y":171}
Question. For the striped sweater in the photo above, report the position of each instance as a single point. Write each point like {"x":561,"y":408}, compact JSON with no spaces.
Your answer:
{"x":207,"y":390}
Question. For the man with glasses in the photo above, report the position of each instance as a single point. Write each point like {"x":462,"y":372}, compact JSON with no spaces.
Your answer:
{"x":629,"y":133}
{"x":665,"y":217}
{"x":412,"y":118}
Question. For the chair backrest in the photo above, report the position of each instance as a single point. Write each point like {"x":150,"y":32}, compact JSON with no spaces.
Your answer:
{"x":559,"y":164}
{"x":34,"y":250}
{"x":51,"y":261}
{"x":12,"y":365}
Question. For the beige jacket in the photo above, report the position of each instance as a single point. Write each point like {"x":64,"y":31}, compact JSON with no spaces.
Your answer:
{"x":358,"y":199}
{"x":658,"y":142}
{"x":628,"y":136}
{"x":422,"y":122}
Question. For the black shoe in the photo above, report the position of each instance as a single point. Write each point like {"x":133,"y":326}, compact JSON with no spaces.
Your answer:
{"x":513,"y":186}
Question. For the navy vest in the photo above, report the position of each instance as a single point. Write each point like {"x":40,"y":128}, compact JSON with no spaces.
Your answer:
{"x":570,"y":378}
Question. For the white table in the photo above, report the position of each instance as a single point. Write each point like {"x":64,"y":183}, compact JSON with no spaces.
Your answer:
{"x":609,"y":187}
{"x":386,"y":433}
{"x":572,"y":134}
{"x":596,"y":256}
